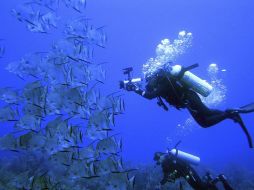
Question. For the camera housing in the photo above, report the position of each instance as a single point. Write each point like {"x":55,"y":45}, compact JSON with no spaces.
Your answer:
{"x":124,"y":83}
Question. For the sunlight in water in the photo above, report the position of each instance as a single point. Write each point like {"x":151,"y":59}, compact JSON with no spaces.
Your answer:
{"x":218,"y":95}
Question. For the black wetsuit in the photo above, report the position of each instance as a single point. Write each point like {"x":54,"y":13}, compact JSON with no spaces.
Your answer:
{"x":181,"y":169}
{"x":174,"y":168}
{"x":181,"y":97}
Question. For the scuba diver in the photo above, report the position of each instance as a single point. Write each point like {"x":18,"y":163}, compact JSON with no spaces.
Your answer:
{"x":181,"y":89}
{"x":177,"y":164}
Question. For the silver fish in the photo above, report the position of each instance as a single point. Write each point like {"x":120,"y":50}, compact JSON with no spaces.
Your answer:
{"x":7,"y":113}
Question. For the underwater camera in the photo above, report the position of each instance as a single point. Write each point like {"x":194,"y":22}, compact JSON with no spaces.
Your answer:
{"x":124,"y":83}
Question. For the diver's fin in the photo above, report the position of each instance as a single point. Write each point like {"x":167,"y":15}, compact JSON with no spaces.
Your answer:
{"x":244,"y":109}
{"x":247,"y":108}
{"x":245,"y":130}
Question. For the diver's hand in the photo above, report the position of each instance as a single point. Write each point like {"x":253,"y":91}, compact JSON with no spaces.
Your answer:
{"x":130,"y":86}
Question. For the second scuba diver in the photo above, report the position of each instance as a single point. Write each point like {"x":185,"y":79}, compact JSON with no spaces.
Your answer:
{"x":180,"y":88}
{"x":177,"y":164}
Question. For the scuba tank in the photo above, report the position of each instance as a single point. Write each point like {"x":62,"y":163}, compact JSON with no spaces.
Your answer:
{"x":190,"y":80}
{"x":186,"y":157}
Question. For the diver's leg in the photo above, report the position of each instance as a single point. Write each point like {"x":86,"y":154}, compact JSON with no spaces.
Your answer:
{"x":206,"y":117}
{"x":225,"y":183}
{"x":196,"y":182}
{"x":249,"y":108}
{"x":237,"y":118}
{"x":201,"y":113}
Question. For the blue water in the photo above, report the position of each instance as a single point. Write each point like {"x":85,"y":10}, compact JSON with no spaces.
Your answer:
{"x":223,"y":33}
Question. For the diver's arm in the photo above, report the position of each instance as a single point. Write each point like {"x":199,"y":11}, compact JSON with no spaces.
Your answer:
{"x":148,"y":94}
{"x":145,"y":93}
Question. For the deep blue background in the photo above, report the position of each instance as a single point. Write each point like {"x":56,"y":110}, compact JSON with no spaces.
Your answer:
{"x":223,"y":33}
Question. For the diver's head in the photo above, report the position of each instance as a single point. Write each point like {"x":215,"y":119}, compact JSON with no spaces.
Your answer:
{"x":148,"y":78}
{"x":156,"y":75}
{"x":159,"y":157}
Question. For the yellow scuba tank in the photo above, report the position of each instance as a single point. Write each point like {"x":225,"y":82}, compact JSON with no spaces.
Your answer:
{"x":192,"y":81}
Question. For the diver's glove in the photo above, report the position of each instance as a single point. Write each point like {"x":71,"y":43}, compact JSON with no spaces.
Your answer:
{"x":133,"y":87}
